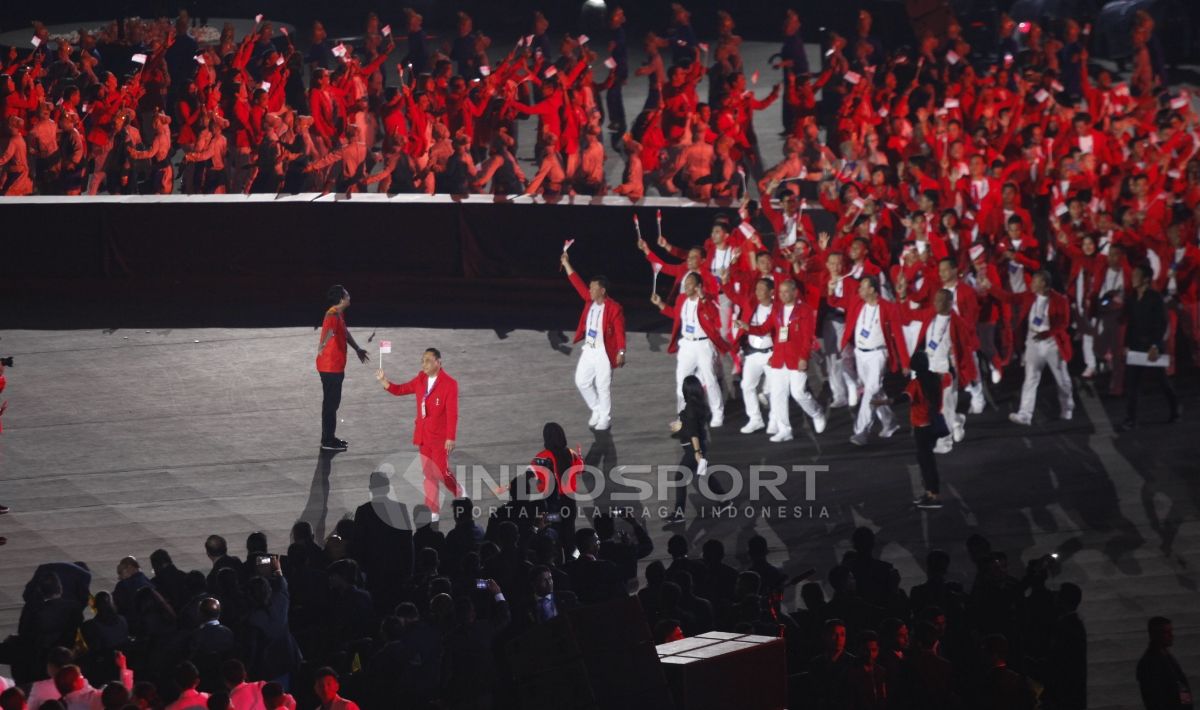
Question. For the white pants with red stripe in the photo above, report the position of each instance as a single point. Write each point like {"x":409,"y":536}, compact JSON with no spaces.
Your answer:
{"x":699,"y":358}
{"x":593,"y":377}
{"x":871,"y":365}
{"x":785,"y":383}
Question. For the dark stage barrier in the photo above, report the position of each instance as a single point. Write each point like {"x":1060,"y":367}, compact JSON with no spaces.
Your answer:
{"x":100,"y":247}
{"x":430,"y":237}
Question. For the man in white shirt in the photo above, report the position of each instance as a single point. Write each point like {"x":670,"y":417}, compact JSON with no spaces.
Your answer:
{"x":939,"y":346}
{"x":601,"y":329}
{"x":756,"y":351}
{"x":696,"y":338}
{"x":1045,"y":315}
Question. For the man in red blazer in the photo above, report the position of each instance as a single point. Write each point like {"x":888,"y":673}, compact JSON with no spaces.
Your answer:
{"x":696,"y":337}
{"x":949,"y":343}
{"x":792,"y":326}
{"x":873,"y":329}
{"x":436,"y":425}
{"x":602,"y":330}
{"x":1044,"y":315}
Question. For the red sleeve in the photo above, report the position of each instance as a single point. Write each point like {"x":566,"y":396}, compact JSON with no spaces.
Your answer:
{"x":580,"y":287}
{"x":402,"y":388}
{"x":452,"y":411}
{"x":619,"y":327}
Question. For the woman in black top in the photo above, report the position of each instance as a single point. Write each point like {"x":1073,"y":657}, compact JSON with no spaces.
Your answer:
{"x":692,"y":430}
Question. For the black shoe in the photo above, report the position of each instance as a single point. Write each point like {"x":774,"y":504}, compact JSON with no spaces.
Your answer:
{"x":928,"y":502}
{"x":1127,"y":425}
{"x":3,"y":509}
{"x":342,"y":443}
{"x":335,"y":445}
{"x":1176,"y":413}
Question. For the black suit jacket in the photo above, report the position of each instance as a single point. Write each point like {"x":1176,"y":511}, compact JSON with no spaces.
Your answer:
{"x":595,"y":581}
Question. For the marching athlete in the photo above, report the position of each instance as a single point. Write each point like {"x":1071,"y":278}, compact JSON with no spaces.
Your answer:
{"x":602,"y":330}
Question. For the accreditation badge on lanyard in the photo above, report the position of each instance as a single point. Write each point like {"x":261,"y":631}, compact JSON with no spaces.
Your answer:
{"x":870,"y":326}
{"x":1039,"y":319}
{"x":933,"y":344}
{"x":592,"y":327}
{"x":784,"y":329}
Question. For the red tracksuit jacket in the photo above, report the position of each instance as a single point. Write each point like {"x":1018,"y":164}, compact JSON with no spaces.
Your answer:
{"x":437,"y":412}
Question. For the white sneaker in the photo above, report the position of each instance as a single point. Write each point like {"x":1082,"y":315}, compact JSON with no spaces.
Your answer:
{"x":752,"y":427}
{"x":859,"y":439}
{"x":887,"y":432}
{"x":943,"y":446}
{"x":716,"y":423}
{"x":997,"y":375}
{"x":819,"y":422}
{"x":1016,"y":418}
{"x":1067,"y":414}
{"x":772,"y":429}
{"x":785,"y":435}
{"x":958,"y":432}
{"x":595,"y":418}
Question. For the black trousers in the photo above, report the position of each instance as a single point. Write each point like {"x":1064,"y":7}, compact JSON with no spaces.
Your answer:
{"x":926,"y":459}
{"x":331,"y":387}
{"x":1133,"y":386}
{"x":688,"y":461}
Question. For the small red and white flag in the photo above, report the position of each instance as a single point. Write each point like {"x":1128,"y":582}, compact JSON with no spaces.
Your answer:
{"x":258,"y":19}
{"x":385,"y":347}
{"x":754,"y":77}
{"x":567,"y":245}
{"x":386,"y":31}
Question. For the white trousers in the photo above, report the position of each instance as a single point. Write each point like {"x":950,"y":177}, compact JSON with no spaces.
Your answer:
{"x":1089,"y":350}
{"x":785,"y":384}
{"x":699,"y":358}
{"x":950,"y":412}
{"x":871,"y":365}
{"x":593,"y":377}
{"x":1041,"y":354}
{"x":839,"y":368}
{"x":754,"y":372}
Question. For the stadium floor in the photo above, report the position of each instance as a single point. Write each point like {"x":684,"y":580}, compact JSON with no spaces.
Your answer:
{"x":124,"y":440}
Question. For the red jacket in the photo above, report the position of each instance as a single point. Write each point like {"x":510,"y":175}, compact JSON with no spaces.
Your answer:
{"x":792,"y":340}
{"x":889,"y":321}
{"x":1059,"y":314}
{"x":613,"y":325}
{"x":962,"y":337}
{"x":708,"y":282}
{"x":706,"y":313}
{"x":437,"y":412}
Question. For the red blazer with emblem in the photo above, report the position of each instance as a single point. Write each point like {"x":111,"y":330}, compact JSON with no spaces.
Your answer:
{"x":889,"y":320}
{"x":962,"y":338}
{"x":706,"y":313}
{"x":437,"y":412}
{"x":1059,"y":314}
{"x":613,"y":325}
{"x":801,"y":330}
